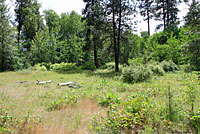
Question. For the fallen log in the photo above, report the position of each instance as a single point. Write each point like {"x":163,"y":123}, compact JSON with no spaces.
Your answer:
{"x":43,"y":82}
{"x":65,"y":84}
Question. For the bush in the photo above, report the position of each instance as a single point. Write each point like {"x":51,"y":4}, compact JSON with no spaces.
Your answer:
{"x":55,"y":101}
{"x":187,"y":68}
{"x":156,"y":69}
{"x":39,"y":67}
{"x":135,"y":61}
{"x":169,"y":66}
{"x":111,"y":66}
{"x":135,"y":73}
{"x":109,"y":98}
{"x":130,"y":116}
{"x":195,"y":120}
{"x":47,"y":65}
{"x":64,"y":67}
{"x":88,"y":66}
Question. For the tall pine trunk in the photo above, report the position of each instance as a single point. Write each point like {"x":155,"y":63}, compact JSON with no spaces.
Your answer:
{"x":119,"y":37}
{"x":148,"y":18}
{"x":167,"y":4}
{"x":95,"y":51}
{"x":95,"y":44}
{"x":164,"y":15}
{"x":114,"y":38}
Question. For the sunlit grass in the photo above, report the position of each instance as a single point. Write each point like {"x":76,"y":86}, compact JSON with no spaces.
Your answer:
{"x":20,"y":91}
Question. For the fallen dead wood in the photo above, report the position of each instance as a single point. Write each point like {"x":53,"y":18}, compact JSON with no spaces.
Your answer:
{"x":43,"y":82}
{"x":65,"y":84}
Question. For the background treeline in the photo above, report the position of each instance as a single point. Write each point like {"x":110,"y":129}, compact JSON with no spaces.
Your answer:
{"x":103,"y":33}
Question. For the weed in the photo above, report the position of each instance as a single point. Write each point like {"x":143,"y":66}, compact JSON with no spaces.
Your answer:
{"x":68,"y":96}
{"x":191,"y":91}
{"x":109,"y":98}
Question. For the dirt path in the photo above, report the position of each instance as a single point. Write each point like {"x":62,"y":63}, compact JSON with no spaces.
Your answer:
{"x":77,"y":119}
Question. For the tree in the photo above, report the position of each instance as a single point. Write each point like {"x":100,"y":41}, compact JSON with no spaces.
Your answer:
{"x":8,"y":59}
{"x":192,"y":18}
{"x":28,"y":20}
{"x":94,"y":17}
{"x":119,"y":10}
{"x":192,"y":47}
{"x":52,"y":20}
{"x":146,"y":10}
{"x":70,"y":24}
{"x":166,"y":11}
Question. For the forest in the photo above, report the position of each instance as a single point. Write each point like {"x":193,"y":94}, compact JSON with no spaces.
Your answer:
{"x":93,"y":73}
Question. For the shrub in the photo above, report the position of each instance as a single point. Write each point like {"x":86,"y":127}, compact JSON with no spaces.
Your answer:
{"x":187,"y":68}
{"x":111,"y":66}
{"x":169,"y":66}
{"x":195,"y":121}
{"x":130,"y":116}
{"x":109,"y":98}
{"x":39,"y":67}
{"x":47,"y":65}
{"x":157,"y":69}
{"x":64,"y":67}
{"x":88,"y":66}
{"x":59,"y":101}
{"x":135,"y":61}
{"x":9,"y":123}
{"x":135,"y":73}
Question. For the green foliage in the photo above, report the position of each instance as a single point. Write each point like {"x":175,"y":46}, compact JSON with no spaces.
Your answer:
{"x":55,"y":101}
{"x":9,"y":59}
{"x":169,"y":66}
{"x":52,"y":20}
{"x":10,"y":124}
{"x":136,"y":61}
{"x":193,"y":53}
{"x":192,"y":90}
{"x":192,"y":18}
{"x":187,"y":68}
{"x":63,"y":67}
{"x":39,"y":67}
{"x":111,"y":66}
{"x":195,"y":121}
{"x":88,"y":66}
{"x":130,"y":116}
{"x":108,"y":98}
{"x":136,"y":73}
{"x":157,"y":69}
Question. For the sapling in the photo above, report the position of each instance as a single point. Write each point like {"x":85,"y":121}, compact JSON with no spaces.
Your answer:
{"x":191,"y":91}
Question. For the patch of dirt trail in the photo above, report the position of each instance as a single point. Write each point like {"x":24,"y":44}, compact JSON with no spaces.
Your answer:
{"x":77,"y":119}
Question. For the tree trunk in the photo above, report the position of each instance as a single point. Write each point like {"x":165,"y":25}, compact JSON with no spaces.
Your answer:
{"x":164,"y":15}
{"x":167,"y":3}
{"x":119,"y":37}
{"x":114,"y":39}
{"x":2,"y":58}
{"x":19,"y":31}
{"x":148,"y":19}
{"x":95,"y":51}
{"x":95,"y":44}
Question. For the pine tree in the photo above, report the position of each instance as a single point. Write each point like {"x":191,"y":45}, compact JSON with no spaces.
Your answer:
{"x":146,"y":10}
{"x":166,"y":11}
{"x":192,"y":18}
{"x":28,"y":20}
{"x":7,"y":40}
{"x":118,"y":11}
{"x":94,"y":17}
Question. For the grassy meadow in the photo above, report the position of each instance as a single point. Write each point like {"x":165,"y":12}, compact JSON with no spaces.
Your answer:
{"x":96,"y":102}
